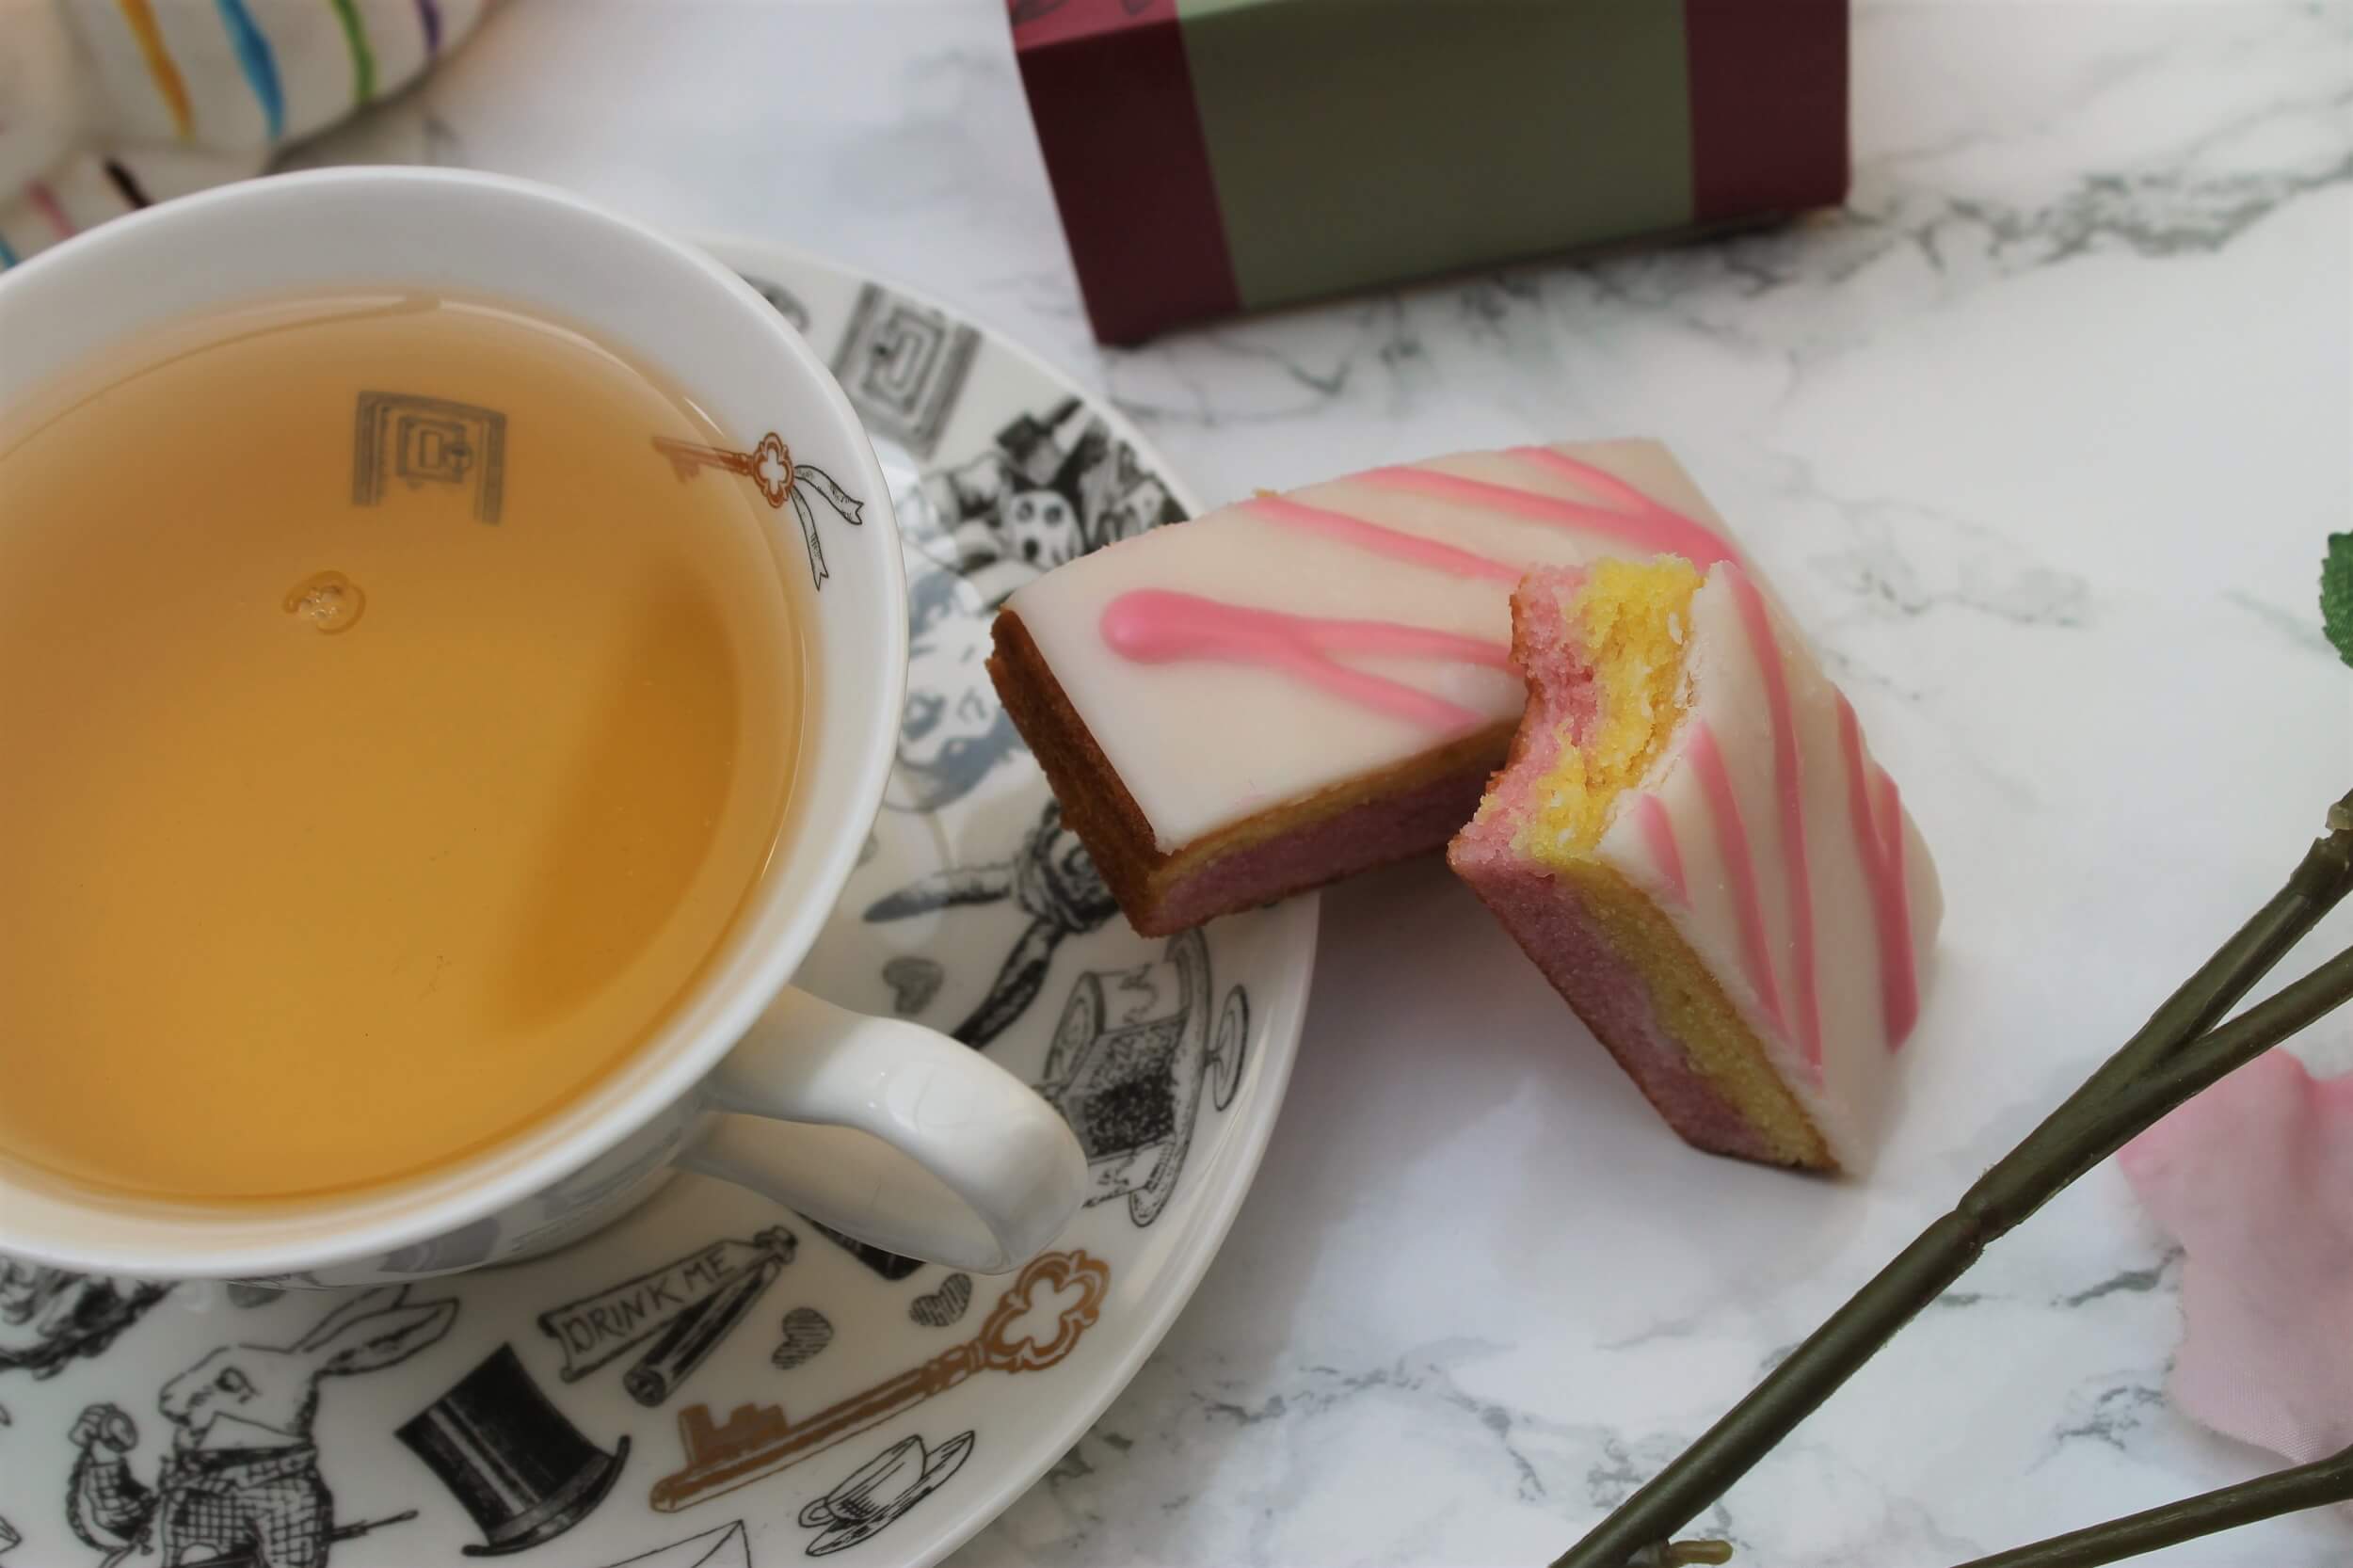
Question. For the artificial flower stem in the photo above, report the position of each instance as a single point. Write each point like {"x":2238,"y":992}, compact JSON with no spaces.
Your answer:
{"x":2084,"y":1130}
{"x":2083,"y":1133}
{"x":2320,"y":880}
{"x":2314,"y":1485}
{"x":2216,"y":1054}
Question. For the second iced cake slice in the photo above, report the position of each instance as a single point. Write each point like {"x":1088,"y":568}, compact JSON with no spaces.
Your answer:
{"x":1693,"y":845}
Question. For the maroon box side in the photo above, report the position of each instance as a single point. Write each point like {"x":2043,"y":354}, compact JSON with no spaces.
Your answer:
{"x":1768,"y":106}
{"x":1112,"y":98}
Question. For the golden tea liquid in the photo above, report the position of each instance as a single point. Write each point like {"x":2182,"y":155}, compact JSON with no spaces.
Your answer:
{"x":389,"y":734}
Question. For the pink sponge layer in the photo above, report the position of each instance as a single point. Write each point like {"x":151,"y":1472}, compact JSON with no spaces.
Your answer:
{"x":1557,"y":930}
{"x":1385,"y":828}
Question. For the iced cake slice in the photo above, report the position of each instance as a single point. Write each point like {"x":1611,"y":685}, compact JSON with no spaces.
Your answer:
{"x":1692,"y":842}
{"x":1298,"y":687}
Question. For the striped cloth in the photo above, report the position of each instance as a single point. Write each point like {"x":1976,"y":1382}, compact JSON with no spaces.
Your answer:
{"x":106,"y":105}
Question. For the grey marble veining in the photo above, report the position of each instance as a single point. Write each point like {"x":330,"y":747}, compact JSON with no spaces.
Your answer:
{"x":2040,"y":436}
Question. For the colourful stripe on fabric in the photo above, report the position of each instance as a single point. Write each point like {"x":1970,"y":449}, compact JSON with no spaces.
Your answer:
{"x":362,"y":57}
{"x":126,"y":184}
{"x":255,"y":59}
{"x":8,"y":254}
{"x":429,"y":18}
{"x":140,"y":17}
{"x":52,"y":211}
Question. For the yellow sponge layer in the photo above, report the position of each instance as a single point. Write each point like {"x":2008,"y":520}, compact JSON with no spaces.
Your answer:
{"x":1634,"y":618}
{"x":1694,"y":1011}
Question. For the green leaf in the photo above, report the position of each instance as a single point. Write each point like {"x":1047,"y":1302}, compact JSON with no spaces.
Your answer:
{"x":2336,"y":594}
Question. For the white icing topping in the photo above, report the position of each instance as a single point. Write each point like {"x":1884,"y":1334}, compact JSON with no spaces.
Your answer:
{"x":1848,"y":1101}
{"x":1202,"y":746}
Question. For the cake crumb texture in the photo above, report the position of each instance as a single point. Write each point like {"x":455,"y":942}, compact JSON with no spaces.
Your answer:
{"x":1628,"y":625}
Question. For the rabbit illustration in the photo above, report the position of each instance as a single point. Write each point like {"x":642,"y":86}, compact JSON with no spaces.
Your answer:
{"x":242,"y":1481}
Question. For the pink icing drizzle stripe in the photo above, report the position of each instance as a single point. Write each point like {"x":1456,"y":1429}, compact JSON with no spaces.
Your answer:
{"x":1732,"y":838}
{"x":1797,"y":869}
{"x":1599,"y":480}
{"x":1359,"y":534}
{"x":1650,"y":527}
{"x":1153,"y":626}
{"x":1903,"y":982}
{"x":1881,"y":845}
{"x":1658,"y":832}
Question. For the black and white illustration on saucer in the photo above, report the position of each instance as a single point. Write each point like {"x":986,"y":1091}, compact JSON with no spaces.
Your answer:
{"x":48,"y":1317}
{"x":1134,"y":1054}
{"x":1049,"y":488}
{"x":1053,"y":880}
{"x":781,"y":299}
{"x":728,"y":1547}
{"x":1053,"y":486}
{"x":687,"y":1309}
{"x":903,"y":363}
{"x":514,"y":1462}
{"x":242,"y":1479}
{"x":871,"y":1498}
{"x":806,"y":1331}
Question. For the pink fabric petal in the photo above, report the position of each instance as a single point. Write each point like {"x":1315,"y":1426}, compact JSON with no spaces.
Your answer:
{"x":2254,"y":1179}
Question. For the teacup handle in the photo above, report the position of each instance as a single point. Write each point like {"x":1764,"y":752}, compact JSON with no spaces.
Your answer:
{"x":903,"y":1137}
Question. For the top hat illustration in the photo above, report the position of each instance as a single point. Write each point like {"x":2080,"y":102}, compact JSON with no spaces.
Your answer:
{"x":877,"y":1492}
{"x":511,"y":1458}
{"x":1131,"y":1056}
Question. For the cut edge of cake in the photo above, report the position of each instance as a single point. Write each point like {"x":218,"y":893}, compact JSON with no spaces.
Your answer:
{"x":1353,"y":826}
{"x":1606,"y":650}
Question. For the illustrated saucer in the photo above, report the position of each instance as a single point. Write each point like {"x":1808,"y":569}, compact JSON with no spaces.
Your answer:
{"x":716,"y":1382}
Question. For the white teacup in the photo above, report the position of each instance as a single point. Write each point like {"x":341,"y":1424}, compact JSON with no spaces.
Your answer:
{"x":900,"y":1136}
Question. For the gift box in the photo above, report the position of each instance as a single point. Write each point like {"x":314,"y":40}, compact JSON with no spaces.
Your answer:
{"x":1216,"y":157}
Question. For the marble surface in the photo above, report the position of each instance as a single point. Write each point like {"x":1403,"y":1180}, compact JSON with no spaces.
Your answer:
{"x":2040,"y":436}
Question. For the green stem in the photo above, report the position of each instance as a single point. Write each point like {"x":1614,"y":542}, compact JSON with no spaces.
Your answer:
{"x":2314,"y":1485}
{"x":2319,"y":882}
{"x":2215,"y":1055}
{"x":2082,"y":1133}
{"x":2090,"y":1125}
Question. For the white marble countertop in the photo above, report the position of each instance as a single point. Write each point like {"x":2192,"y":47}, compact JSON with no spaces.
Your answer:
{"x":2041,"y":438}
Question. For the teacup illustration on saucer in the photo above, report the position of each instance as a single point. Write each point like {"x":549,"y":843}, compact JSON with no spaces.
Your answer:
{"x":1134,"y":1055}
{"x":870,"y":1497}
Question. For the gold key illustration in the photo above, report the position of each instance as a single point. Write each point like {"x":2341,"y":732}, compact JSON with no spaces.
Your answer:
{"x":768,"y":465}
{"x":758,"y":1440}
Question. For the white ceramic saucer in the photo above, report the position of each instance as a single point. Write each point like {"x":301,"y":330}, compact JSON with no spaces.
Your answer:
{"x":716,"y":1383}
